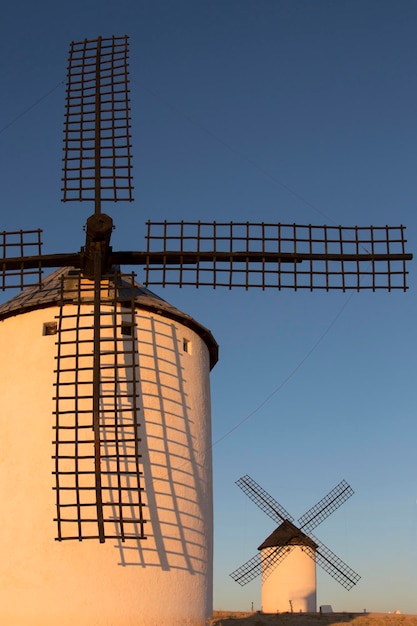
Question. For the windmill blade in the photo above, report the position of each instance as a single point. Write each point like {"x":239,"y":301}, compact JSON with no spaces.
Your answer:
{"x":97,"y":140}
{"x":263,"y":499}
{"x":97,"y":167}
{"x":331,"y":564}
{"x":98,"y":479}
{"x":260,"y":564}
{"x":318,"y":513}
{"x":248,"y":571}
{"x":15,"y":248}
{"x":279,"y":256}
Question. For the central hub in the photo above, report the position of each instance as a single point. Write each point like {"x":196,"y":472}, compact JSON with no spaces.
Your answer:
{"x":99,"y":228}
{"x":97,"y":244}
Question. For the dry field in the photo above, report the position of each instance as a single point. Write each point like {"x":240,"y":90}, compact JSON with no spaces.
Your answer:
{"x":230,"y":618}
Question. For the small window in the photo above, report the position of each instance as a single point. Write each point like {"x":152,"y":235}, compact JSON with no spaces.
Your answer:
{"x":186,"y":345}
{"x":127,"y":329}
{"x":50,"y":328}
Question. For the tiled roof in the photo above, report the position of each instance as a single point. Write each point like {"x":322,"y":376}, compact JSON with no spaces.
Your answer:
{"x":287,"y":535}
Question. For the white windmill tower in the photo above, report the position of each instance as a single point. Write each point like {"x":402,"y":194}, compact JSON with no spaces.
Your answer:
{"x":105,"y":404}
{"x":134,"y":540}
{"x":291,"y":587}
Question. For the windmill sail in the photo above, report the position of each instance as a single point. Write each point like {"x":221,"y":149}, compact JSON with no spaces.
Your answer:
{"x":263,"y":499}
{"x":97,"y":168}
{"x":260,"y":564}
{"x":325,"y":507}
{"x":98,"y":480}
{"x":19,"y":245}
{"x":332,"y":564}
{"x":278,"y":256}
{"x":97,"y":140}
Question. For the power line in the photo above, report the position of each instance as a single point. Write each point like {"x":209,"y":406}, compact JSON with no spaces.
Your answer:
{"x":288,"y":377}
{"x":32,"y":106}
{"x":236,"y":151}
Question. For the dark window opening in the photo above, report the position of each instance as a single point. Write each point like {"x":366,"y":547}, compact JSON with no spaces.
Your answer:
{"x":50,"y":328}
{"x":127,"y":329}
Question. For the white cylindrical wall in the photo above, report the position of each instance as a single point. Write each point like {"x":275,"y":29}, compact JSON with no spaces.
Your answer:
{"x":165,"y":579}
{"x":291,"y":585}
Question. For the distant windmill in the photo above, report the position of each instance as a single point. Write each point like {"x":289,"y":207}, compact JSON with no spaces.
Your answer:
{"x":121,"y":475}
{"x":288,"y":556}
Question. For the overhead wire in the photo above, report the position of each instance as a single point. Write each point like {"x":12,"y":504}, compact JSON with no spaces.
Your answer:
{"x":240,"y":153}
{"x":289,"y":376}
{"x":32,"y":106}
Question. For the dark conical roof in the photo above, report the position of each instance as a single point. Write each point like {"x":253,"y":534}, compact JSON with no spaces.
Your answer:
{"x":287,"y":535}
{"x":49,"y":294}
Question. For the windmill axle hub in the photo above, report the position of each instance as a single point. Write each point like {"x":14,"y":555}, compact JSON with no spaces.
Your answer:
{"x":97,"y":244}
{"x":99,"y":228}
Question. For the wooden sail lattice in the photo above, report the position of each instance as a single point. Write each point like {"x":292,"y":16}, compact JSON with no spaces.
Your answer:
{"x":97,"y":139}
{"x":260,"y":565}
{"x":278,"y":256}
{"x":20,"y":244}
{"x":332,"y":564}
{"x":97,"y":471}
{"x":325,"y":507}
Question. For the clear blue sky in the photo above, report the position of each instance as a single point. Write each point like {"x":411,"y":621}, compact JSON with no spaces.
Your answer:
{"x":268,"y":110}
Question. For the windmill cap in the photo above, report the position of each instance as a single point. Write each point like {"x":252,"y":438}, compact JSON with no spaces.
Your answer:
{"x":49,"y":294}
{"x":287,"y":535}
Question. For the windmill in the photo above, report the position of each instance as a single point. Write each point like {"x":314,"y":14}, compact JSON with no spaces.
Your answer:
{"x":288,"y":556}
{"x":121,"y":477}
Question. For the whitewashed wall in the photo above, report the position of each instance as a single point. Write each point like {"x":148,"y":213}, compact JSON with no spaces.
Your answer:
{"x":291,"y":586}
{"x":164,"y":580}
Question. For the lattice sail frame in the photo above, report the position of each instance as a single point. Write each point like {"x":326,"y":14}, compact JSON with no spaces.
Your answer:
{"x":25,"y":243}
{"x":98,"y":478}
{"x":279,"y":256}
{"x":261,"y":564}
{"x":263,"y":499}
{"x":325,"y":507}
{"x":97,"y":137}
{"x":332,"y":564}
